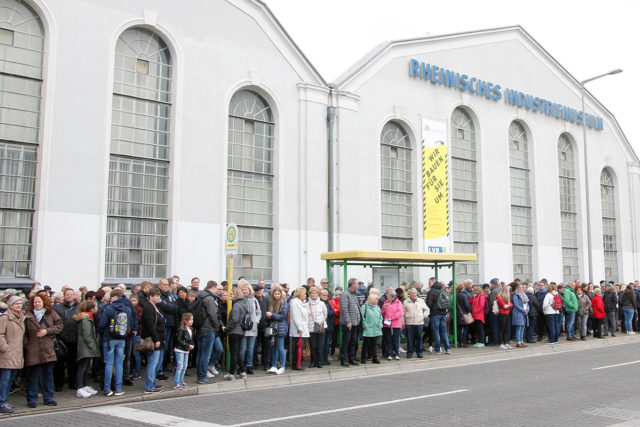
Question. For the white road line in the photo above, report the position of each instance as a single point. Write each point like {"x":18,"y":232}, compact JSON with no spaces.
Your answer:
{"x":148,"y":417}
{"x":349,"y":408}
{"x":614,"y":366}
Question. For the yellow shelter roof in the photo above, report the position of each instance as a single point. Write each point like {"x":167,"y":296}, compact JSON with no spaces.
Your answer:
{"x":396,"y":256}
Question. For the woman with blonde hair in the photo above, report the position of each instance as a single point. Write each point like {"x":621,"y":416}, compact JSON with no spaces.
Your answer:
{"x":250,"y":335}
{"x":503,"y":301}
{"x":371,"y":328}
{"x":235,"y":332}
{"x":299,"y":326}
{"x":317,"y":323}
{"x":277,"y":315}
{"x":551,"y":310}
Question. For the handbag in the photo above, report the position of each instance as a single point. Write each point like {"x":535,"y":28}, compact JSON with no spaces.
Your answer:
{"x":467,"y":318}
{"x":145,"y":345}
{"x":318,"y":328}
{"x":59,"y":347}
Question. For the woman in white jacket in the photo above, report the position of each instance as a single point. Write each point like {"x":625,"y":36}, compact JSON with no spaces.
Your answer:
{"x":551,"y":314}
{"x":299,"y":325}
{"x":317,"y":316}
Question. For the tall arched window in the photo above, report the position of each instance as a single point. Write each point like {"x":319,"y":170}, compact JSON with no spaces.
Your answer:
{"x":138,"y":210}
{"x":465,"y":199}
{"x":250,"y":183}
{"x":395,"y":160}
{"x":521,"y":220}
{"x":568,"y":209}
{"x":22,"y":49}
{"x":609,"y":240}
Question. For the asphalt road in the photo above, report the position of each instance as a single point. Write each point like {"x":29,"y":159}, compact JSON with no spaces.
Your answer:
{"x":591,"y":386}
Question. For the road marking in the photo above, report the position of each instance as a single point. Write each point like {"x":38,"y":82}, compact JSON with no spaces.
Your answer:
{"x":349,"y":408}
{"x":614,"y":366}
{"x":148,"y":417}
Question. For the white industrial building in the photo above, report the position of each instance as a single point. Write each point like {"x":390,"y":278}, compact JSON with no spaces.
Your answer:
{"x":132,"y":132}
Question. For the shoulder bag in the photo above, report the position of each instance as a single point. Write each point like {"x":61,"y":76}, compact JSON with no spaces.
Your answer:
{"x":146,"y":345}
{"x":318,"y":328}
{"x":467,"y":318}
{"x":59,"y":347}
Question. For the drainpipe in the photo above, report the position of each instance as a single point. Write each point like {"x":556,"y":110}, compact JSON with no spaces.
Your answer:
{"x":331,"y":115}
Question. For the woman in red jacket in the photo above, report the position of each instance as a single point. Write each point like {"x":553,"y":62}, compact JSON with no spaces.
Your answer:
{"x":504,"y":307}
{"x":335,"y":305}
{"x":598,"y":312}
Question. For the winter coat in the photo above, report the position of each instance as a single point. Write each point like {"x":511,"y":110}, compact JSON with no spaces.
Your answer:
{"x":331,"y":316}
{"x":152,"y":324}
{"x":547,"y":304}
{"x":415,"y":312}
{"x":238,"y":312}
{"x":540,"y":295}
{"x":535,"y":308}
{"x":371,"y":320}
{"x":87,"y":341}
{"x":299,"y":326}
{"x":253,"y":306}
{"x":317,"y":313}
{"x":210,"y":305}
{"x":478,"y":305}
{"x":432,"y":298}
{"x":264,"y":307}
{"x":571,"y":300}
{"x":584,"y":304}
{"x":111,"y":311}
{"x":169,"y":309}
{"x":69,"y":327}
{"x":598,"y":307}
{"x":610,"y":299}
{"x":11,"y":340}
{"x":502,"y":303}
{"x":349,"y":308}
{"x":38,"y":350}
{"x":282,"y":318}
{"x":184,"y":339}
{"x":628,"y":299}
{"x":518,"y":316}
{"x":393,"y":311}
{"x":462,"y":304}
{"x":335,"y":305}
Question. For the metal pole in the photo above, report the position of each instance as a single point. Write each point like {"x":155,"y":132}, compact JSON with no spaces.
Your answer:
{"x":586,"y":185}
{"x":331,"y":115}
{"x":455,"y":311}
{"x":229,"y":304}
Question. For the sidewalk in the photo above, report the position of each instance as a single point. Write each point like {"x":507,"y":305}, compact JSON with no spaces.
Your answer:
{"x":67,"y":399}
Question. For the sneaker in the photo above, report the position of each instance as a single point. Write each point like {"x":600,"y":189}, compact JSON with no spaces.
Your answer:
{"x":108,"y":393}
{"x":430,"y":349}
{"x":136,"y":376}
{"x":6,"y":409}
{"x":206,"y":381}
{"x":82,"y":393}
{"x":509,"y":347}
{"x":213,"y":370}
{"x":118,"y":393}
{"x":177,"y":386}
{"x":280,"y":371}
{"x":153,"y":390}
{"x":504,"y":347}
{"x":437,"y":352}
{"x":91,"y":390}
{"x":272,"y":370}
{"x":183,"y":384}
{"x":162,"y":377}
{"x":241,"y":376}
{"x":389,"y":358}
{"x":229,"y":377}
{"x":448,"y":351}
{"x":210,"y":375}
{"x":397,"y":357}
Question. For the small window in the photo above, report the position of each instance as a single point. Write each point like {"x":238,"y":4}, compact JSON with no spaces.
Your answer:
{"x":460,"y":133}
{"x":563,"y":155}
{"x":393,"y":152}
{"x":249,"y":127}
{"x":6,"y":36}
{"x":142,"y":66}
{"x":567,"y":270}
{"x":516,"y":145}
{"x":247,"y":261}
{"x":519,"y":268}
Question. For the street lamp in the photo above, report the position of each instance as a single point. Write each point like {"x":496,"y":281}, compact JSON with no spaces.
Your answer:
{"x":586,"y":165}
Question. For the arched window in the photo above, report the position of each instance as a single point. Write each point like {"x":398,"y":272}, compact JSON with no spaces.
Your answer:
{"x":609,"y":240}
{"x":22,"y":47}
{"x":465,"y":199}
{"x":395,"y":161}
{"x":138,"y":210}
{"x":521,"y":220}
{"x":250,"y":183}
{"x":568,"y":209}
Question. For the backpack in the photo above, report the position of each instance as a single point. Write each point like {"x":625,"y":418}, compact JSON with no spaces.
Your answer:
{"x":199,"y":312}
{"x":246,"y":324}
{"x":442,"y":302}
{"x":557,"y":302}
{"x":119,"y":325}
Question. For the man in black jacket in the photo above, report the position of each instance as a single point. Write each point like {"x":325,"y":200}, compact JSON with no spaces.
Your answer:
{"x":69,"y":336}
{"x":169,"y":310}
{"x":610,"y":300}
{"x":208,"y":341}
{"x":438,"y":318}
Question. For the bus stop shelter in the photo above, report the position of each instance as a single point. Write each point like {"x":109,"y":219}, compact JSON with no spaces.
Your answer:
{"x":399,"y":259}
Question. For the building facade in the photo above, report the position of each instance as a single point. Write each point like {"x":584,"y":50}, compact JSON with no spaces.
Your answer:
{"x":131,"y":133}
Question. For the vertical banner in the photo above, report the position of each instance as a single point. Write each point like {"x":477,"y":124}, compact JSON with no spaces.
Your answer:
{"x":435,"y":186}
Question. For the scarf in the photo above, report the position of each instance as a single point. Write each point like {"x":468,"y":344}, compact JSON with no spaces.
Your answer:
{"x":524,"y":299}
{"x":39,"y":314}
{"x":89,"y":314}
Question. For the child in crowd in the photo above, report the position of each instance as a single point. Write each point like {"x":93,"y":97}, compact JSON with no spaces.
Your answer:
{"x":184,"y":344}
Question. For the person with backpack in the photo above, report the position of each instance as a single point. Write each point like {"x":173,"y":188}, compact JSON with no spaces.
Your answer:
{"x":184,"y":344}
{"x":478,"y":310}
{"x":503,"y":301}
{"x":239,"y":319}
{"x":116,"y":324}
{"x":551,"y":307}
{"x":438,"y":303}
{"x":205,"y":313}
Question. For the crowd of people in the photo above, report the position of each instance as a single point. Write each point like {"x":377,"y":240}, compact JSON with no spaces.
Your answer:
{"x":49,"y":340}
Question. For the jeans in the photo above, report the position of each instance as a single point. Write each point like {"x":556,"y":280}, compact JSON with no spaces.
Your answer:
{"x":5,"y":384}
{"x":152,"y":364}
{"x":628,"y":319}
{"x":218,"y":351}
{"x":278,"y":354}
{"x":570,"y":319}
{"x":326,"y":344}
{"x":439,"y":331}
{"x":246,"y":350}
{"x":205,"y":346}
{"x":349,"y":343}
{"x":111,"y":348}
{"x":164,"y":356}
{"x":463,"y":332}
{"x":393,"y":341}
{"x":519,"y":333}
{"x":181,"y":366}
{"x":33,"y":375}
{"x":414,"y":339}
{"x":493,"y":325}
{"x":137,"y":360}
{"x":553,"y":325}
